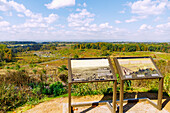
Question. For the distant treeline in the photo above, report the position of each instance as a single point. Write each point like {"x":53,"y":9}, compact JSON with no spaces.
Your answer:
{"x":125,"y":47}
{"x":33,"y":42}
{"x":17,"y":42}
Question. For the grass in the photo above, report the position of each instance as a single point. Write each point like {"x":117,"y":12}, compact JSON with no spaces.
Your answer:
{"x":165,"y":56}
{"x":32,"y":104}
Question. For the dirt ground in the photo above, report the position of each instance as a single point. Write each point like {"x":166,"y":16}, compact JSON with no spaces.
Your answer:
{"x":60,"y":105}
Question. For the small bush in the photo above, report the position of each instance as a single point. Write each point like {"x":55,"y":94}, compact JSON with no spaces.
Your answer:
{"x":167,"y":84}
{"x":7,"y":67}
{"x":62,"y":68}
{"x":76,"y":56}
{"x":11,"y":97}
{"x":56,"y":89}
{"x":12,"y":67}
{"x":92,"y":88}
{"x":17,"y":66}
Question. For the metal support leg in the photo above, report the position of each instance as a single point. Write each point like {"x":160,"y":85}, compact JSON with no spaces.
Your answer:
{"x":114,"y":96}
{"x":160,"y":93}
{"x":121,"y":96}
{"x":69,"y":98}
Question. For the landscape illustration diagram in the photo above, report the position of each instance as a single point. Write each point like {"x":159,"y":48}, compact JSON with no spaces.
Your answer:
{"x":138,"y":68}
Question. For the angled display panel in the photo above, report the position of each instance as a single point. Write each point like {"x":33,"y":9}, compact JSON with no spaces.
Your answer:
{"x":137,"y":68}
{"x":83,"y":70}
{"x":91,"y":70}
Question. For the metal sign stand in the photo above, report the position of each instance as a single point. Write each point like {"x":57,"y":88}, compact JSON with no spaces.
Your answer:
{"x":71,"y":81}
{"x":122,"y":79}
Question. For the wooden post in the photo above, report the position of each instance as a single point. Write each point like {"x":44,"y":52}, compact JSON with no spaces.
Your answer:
{"x":69,"y":98}
{"x":121,"y":96}
{"x":160,"y":93}
{"x":114,"y":96}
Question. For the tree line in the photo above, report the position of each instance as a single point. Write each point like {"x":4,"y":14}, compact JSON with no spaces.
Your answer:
{"x":125,"y":47}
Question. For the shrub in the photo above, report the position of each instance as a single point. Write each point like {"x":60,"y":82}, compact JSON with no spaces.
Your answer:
{"x":11,"y":97}
{"x":11,"y":67}
{"x":56,"y":88}
{"x":62,"y":68}
{"x":76,"y":56}
{"x":7,"y":67}
{"x":17,"y":66}
{"x":34,"y":71}
{"x":167,"y":84}
{"x":63,"y":77}
{"x":92,"y":88}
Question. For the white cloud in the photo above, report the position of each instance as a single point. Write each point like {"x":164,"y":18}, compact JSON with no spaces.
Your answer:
{"x":163,"y":26}
{"x":80,"y":19}
{"x":78,"y":9}
{"x":16,"y":6}
{"x":84,"y":5}
{"x":51,"y":18}
{"x":168,"y":18}
{"x":79,"y":5}
{"x":20,"y":15}
{"x":12,"y":5}
{"x":163,"y":29}
{"x":1,"y":17}
{"x":59,"y":25}
{"x":8,"y":5}
{"x":105,"y":25}
{"x":135,"y":18}
{"x":4,"y":6}
{"x":157,"y":19}
{"x":56,"y":4}
{"x":118,"y":21}
{"x":122,"y":11}
{"x":148,"y":7}
{"x":34,"y":25}
{"x":4,"y":23}
{"x":10,"y":14}
{"x":83,"y":21}
{"x":168,"y":5}
{"x":39,"y":21}
{"x":145,"y":27}
{"x":131,"y":20}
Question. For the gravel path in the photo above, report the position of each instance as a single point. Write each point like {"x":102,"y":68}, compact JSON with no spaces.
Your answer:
{"x":59,"y":105}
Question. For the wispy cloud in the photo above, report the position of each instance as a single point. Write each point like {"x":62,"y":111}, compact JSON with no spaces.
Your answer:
{"x":145,"y":27}
{"x":118,"y":21}
{"x":56,"y":4}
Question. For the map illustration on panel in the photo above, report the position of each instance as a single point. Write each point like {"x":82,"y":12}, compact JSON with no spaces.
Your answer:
{"x":91,"y":70}
{"x":138,"y":68}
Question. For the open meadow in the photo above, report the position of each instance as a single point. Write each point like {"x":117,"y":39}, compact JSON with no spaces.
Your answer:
{"x":34,"y":76}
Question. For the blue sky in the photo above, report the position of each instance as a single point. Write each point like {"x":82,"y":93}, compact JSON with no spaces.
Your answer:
{"x":85,"y":20}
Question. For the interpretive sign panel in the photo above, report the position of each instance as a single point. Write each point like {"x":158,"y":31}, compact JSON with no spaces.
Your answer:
{"x":83,"y":70}
{"x":91,"y":69}
{"x":137,"y":68}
